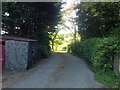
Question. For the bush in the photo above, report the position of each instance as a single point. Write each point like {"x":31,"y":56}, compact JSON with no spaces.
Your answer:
{"x":45,"y":50}
{"x":104,"y":51}
{"x":99,"y":51}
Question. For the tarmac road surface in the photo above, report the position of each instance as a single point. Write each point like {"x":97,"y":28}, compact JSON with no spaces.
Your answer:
{"x":61,"y":70}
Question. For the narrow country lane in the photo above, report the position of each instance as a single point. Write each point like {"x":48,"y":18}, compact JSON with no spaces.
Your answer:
{"x":61,"y":70}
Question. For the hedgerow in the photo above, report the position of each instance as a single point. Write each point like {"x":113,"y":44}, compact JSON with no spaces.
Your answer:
{"x":98,"y":51}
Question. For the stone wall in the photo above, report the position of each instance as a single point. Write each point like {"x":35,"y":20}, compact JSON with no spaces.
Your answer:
{"x":16,"y":55}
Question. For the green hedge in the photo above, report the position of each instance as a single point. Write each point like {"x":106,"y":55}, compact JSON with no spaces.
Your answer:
{"x":99,"y":51}
{"x":44,"y":50}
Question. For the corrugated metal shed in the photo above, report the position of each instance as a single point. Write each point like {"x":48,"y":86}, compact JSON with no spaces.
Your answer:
{"x":3,"y":52}
{"x":16,"y":38}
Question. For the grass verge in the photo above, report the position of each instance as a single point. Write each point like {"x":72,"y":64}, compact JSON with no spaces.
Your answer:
{"x":108,"y":79}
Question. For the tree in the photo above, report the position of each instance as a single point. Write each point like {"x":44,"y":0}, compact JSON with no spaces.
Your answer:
{"x":69,"y":16}
{"x":58,"y":41}
{"x":97,"y":19}
{"x":30,"y":19}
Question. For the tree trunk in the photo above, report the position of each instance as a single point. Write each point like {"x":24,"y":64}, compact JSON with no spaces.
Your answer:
{"x":54,"y":39}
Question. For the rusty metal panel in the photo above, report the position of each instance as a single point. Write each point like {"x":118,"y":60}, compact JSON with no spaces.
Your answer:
{"x":2,"y":54}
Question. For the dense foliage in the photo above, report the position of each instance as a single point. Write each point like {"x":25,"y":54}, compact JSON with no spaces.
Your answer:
{"x":99,"y":28}
{"x":99,"y":51}
{"x":98,"y":19}
{"x":30,"y":20}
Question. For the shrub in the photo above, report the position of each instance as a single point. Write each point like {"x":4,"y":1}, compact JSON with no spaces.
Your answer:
{"x":45,"y":50}
{"x":99,"y":51}
{"x":104,"y":51}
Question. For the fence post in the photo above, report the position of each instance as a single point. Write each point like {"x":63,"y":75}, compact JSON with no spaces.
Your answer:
{"x":116,"y":66}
